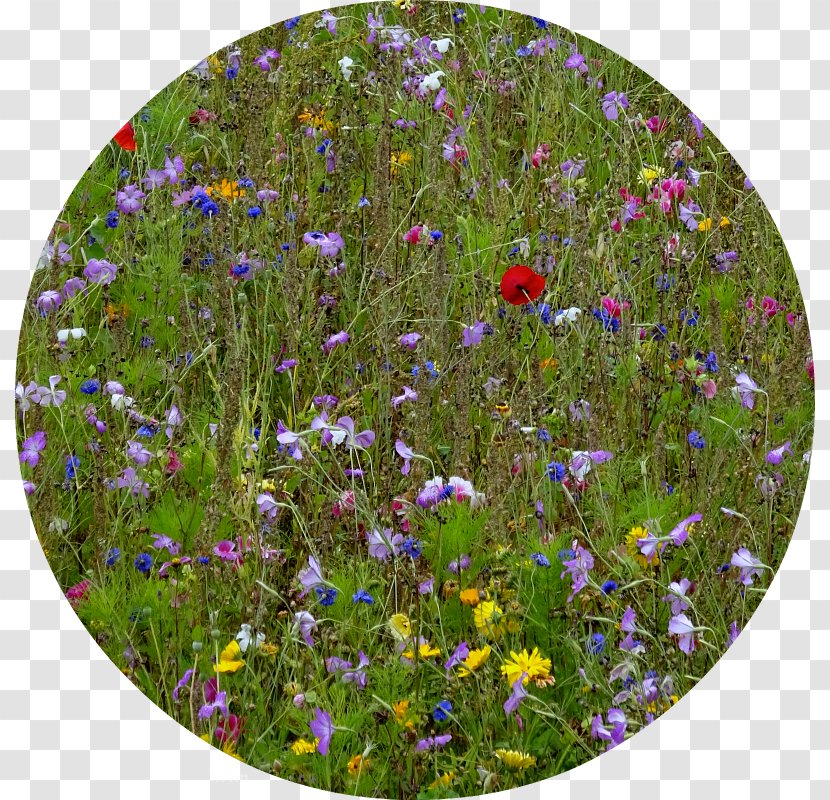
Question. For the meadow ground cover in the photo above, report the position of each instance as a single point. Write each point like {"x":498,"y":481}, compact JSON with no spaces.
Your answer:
{"x":414,"y":400}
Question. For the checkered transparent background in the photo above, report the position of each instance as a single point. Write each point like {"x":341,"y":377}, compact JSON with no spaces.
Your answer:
{"x":73,"y":70}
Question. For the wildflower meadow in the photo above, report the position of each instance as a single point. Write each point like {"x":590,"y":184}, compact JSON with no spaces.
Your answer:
{"x":414,"y":400}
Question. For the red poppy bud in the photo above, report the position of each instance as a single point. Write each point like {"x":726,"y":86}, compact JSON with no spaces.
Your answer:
{"x":520,"y":285}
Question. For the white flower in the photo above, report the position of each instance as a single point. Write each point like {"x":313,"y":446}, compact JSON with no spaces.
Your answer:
{"x":120,"y":401}
{"x":570,"y":315}
{"x":345,"y":65}
{"x":245,"y":637}
{"x":442,"y":45}
{"x":75,"y":333}
{"x":431,"y":82}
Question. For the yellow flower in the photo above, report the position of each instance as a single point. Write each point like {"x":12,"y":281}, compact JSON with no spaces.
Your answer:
{"x":426,"y":650}
{"x":230,"y":659}
{"x":533,"y":664}
{"x":725,"y":222}
{"x":303,"y":747}
{"x":404,"y":5}
{"x":487,"y":616}
{"x":705,"y":225}
{"x":474,"y":660}
{"x":268,"y":649}
{"x":228,"y":190}
{"x":443,"y":780}
{"x":357,"y":764}
{"x":549,"y":363}
{"x":400,"y":626}
{"x":631,"y":547}
{"x":503,"y":409}
{"x":316,"y":119}
{"x":513,"y":759}
{"x":268,"y":485}
{"x":401,"y":709}
{"x":400,"y":158}
{"x":649,"y":174}
{"x":469,"y":597}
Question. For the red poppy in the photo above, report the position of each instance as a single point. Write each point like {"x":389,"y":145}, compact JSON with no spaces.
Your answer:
{"x":126,"y":137}
{"x":520,"y":285}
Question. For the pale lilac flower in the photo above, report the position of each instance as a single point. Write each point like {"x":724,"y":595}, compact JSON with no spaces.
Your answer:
{"x":305,"y":624}
{"x":572,"y":168}
{"x":680,"y":532}
{"x":322,"y":728}
{"x":48,"y":301}
{"x":408,"y":394}
{"x":24,"y":393}
{"x":48,"y":396}
{"x":100,"y":271}
{"x":383,"y":543}
{"x":614,"y":736}
{"x":348,"y":673}
{"x":330,"y":244}
{"x":129,"y":480}
{"x":267,"y":505}
{"x":648,"y":546}
{"x":677,"y":596}
{"x":776,"y":456}
{"x":426,"y":586}
{"x":473,"y":335}
{"x":681,"y":626}
{"x":218,"y":703}
{"x":29,"y":488}
{"x":432,"y":743}
{"x":582,"y":461}
{"x":696,"y":121}
{"x":342,"y":431}
{"x":32,"y":448}
{"x":334,"y":340}
{"x":734,"y":633}
{"x":459,"y":654}
{"x":578,"y":568}
{"x":746,"y":388}
{"x":612,"y":103}
{"x":161,"y":541}
{"x":628,"y":621}
{"x":128,"y":200}
{"x":139,"y":454}
{"x":748,"y":565}
{"x":114,"y":388}
{"x":410,"y":340}
{"x":311,"y":576}
{"x":688,"y":215}
{"x":580,"y":411}
{"x":290,"y":439}
{"x":406,"y":453}
{"x":769,"y":484}
{"x":517,"y":694}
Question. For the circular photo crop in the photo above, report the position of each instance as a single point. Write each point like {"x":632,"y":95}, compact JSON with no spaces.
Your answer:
{"x":414,"y":400}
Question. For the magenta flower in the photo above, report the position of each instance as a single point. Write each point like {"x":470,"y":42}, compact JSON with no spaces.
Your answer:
{"x":32,"y":448}
{"x":408,"y":395}
{"x":746,"y":388}
{"x":322,"y":728}
{"x":382,"y":544}
{"x":330,"y":244}
{"x":681,"y":627}
{"x":748,"y":565}
{"x":178,"y":562}
{"x":406,"y":453}
{"x":100,"y":271}
{"x":677,"y":596}
{"x":311,"y":576}
{"x":225,"y":550}
{"x":776,"y":456}
{"x":334,"y":340}
{"x":578,"y":568}
{"x":616,"y":734}
{"x":516,"y":696}
{"x":473,"y":335}
{"x":304,"y":623}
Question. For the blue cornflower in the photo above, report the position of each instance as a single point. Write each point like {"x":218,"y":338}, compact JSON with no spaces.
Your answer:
{"x":711,"y":363}
{"x":231,"y":73}
{"x":362,"y":596}
{"x":256,"y":433}
{"x":245,"y":183}
{"x":723,"y":568}
{"x":658,"y":333}
{"x":608,"y":587}
{"x":668,"y":487}
{"x":363,"y":202}
{"x":146,"y":431}
{"x":664,"y":282}
{"x":72,"y":463}
{"x":566,"y":555}
{"x":543,"y":436}
{"x":124,"y":174}
{"x":689,"y":317}
{"x":240,"y":269}
{"x":436,"y":235}
{"x":540,"y":23}
{"x":609,"y":322}
{"x":90,"y":386}
{"x":596,"y":644}
{"x":146,"y":341}
{"x":442,"y":711}
{"x":254,"y":212}
{"x":112,"y":219}
{"x":433,"y":373}
{"x":290,"y":24}
{"x":145,"y":115}
{"x":143,"y":562}
{"x":412,"y":547}
{"x":696,"y":440}
{"x":321,"y":148}
{"x":459,"y":15}
{"x":112,"y":556}
{"x":326,"y":595}
{"x":540,"y":559}
{"x":502,"y":312}
{"x":556,"y":471}
{"x":203,"y":559}
{"x":209,"y":260}
{"x":524,"y":51}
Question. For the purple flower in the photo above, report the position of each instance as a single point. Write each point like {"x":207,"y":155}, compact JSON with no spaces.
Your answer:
{"x":128,"y":200}
{"x":100,"y":271}
{"x":459,"y":654}
{"x":616,"y":735}
{"x":162,"y":541}
{"x":406,"y":454}
{"x":472,"y":335}
{"x":129,"y":480}
{"x":291,"y":440}
{"x":311,"y":576}
{"x":48,"y":301}
{"x":182,"y":683}
{"x":408,"y":394}
{"x":573,"y":168}
{"x":350,"y":674}
{"x":155,"y":178}
{"x":746,"y":388}
{"x":219,"y":702}
{"x":325,"y":400}
{"x":688,"y":215}
{"x":680,"y":532}
{"x":342,"y":432}
{"x":694,"y":176}
{"x":627,"y":623}
{"x":322,"y":728}
{"x":334,"y":340}
{"x":580,"y":411}
{"x":611,"y":103}
{"x":267,"y":505}
{"x":305,"y":624}
{"x":517,"y":695}
{"x":578,"y":568}
{"x":410,"y":340}
{"x":648,"y":546}
{"x":23,"y":393}
{"x":747,"y":564}
{"x":776,"y":456}
{"x":698,"y":125}
{"x":382,"y":544}
{"x":330,"y":244}
{"x":734,"y":633}
{"x":47,"y":396}
{"x":575,"y":61}
{"x":139,"y":454}
{"x":426,"y":586}
{"x":681,"y":626}
{"x":432,"y":743}
{"x":32,"y":448}
{"x":677,"y":596}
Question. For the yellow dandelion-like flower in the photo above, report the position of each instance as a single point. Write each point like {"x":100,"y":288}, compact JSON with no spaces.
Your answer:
{"x":402,"y":717}
{"x":358,"y":764}
{"x":400,"y":626}
{"x":230,"y":659}
{"x":487,"y":617}
{"x":649,"y":174}
{"x":631,"y":548}
{"x":706,"y":225}
{"x":426,"y":650}
{"x":443,"y":780}
{"x":533,"y":664}
{"x":515,"y":760}
{"x":469,"y":597}
{"x":228,"y":190}
{"x":399,"y":159}
{"x":303,"y":747}
{"x":316,"y":119}
{"x":404,"y":5}
{"x":725,"y":222}
{"x":475,"y":660}
{"x":268,"y":649}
